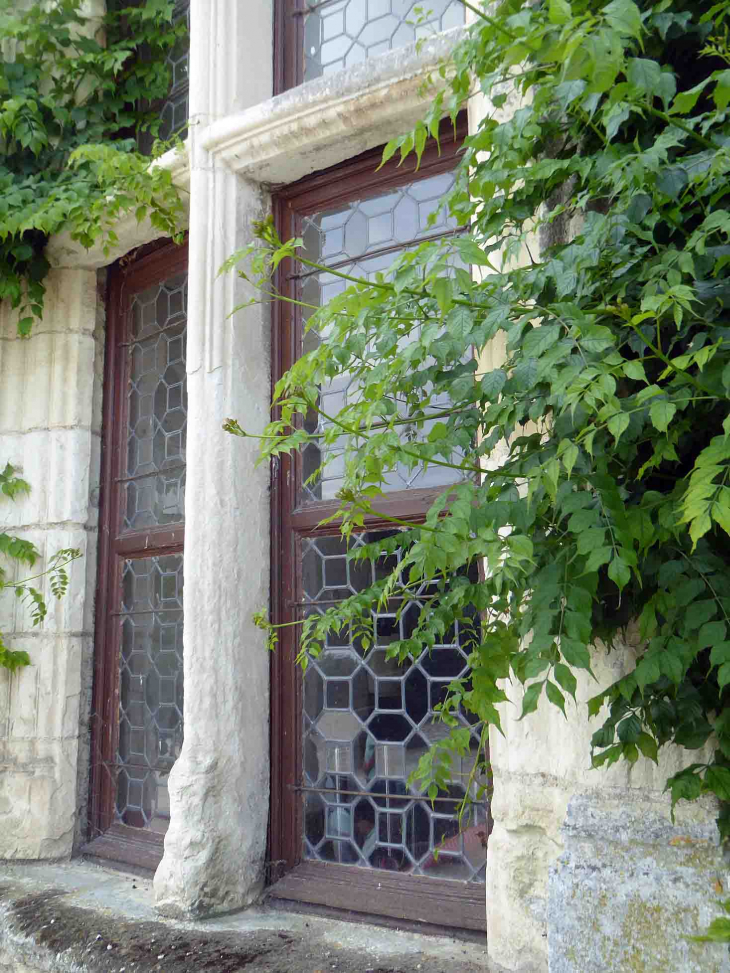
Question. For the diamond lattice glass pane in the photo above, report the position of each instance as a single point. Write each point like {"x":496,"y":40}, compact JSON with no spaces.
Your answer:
{"x":150,"y":688}
{"x":361,"y":238}
{"x":367,"y":722}
{"x":341,"y":33}
{"x":157,"y":407}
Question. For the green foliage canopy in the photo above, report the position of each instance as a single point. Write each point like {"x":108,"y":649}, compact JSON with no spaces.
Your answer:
{"x":73,"y":92}
{"x":596,"y":193}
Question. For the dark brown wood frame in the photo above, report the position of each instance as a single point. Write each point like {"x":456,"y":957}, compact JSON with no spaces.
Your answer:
{"x":107,"y":839}
{"x":442,"y":903}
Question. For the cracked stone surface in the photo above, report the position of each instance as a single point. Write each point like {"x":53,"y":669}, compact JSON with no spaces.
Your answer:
{"x":74,"y":917}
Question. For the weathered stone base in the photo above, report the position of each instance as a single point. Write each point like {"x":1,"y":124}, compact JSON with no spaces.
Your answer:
{"x":630,"y":889}
{"x":79,"y":918}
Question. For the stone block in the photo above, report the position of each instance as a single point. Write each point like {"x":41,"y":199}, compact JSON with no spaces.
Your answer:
{"x":37,"y":798}
{"x":630,"y":887}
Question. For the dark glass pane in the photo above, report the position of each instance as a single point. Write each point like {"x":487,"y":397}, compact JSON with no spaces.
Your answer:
{"x":157,"y":407}
{"x":367,"y":722}
{"x":341,"y":33}
{"x":151,"y":688}
{"x":174,"y":110}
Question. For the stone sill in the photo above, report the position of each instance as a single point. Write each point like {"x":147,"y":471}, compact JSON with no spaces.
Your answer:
{"x":75,"y":916}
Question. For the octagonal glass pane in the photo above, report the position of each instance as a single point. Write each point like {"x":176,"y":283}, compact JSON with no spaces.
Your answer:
{"x":150,"y":688}
{"x":154,"y":485}
{"x":368,"y":720}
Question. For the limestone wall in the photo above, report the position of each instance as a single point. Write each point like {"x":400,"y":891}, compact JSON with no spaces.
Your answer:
{"x":50,"y":408}
{"x":586,"y":872}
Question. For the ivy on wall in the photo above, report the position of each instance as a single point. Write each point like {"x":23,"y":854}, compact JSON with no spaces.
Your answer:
{"x":595,"y":461}
{"x":74,"y":96}
{"x":76,"y":91}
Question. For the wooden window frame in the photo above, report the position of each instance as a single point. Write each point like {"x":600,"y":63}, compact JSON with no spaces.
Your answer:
{"x":436,"y":902}
{"x":108,"y":839}
{"x":288,"y":43}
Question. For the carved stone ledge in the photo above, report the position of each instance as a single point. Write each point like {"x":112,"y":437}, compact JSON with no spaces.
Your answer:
{"x":324,"y":122}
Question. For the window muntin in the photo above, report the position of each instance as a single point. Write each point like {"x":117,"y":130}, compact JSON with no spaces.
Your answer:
{"x":137,"y":724}
{"x":367,"y":722}
{"x":337,"y":34}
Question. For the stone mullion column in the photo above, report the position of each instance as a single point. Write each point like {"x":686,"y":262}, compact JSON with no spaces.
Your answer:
{"x":219,"y":787}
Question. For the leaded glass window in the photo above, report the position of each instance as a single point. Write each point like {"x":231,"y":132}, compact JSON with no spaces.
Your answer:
{"x":335,"y":34}
{"x":348,"y":732}
{"x":137,"y":722}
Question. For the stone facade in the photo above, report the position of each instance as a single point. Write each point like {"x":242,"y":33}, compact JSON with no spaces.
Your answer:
{"x":49,"y":418}
{"x":585,"y":870}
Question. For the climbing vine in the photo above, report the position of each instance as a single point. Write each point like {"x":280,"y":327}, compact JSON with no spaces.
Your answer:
{"x":24,"y":555}
{"x":593,"y":464}
{"x":75,"y":93}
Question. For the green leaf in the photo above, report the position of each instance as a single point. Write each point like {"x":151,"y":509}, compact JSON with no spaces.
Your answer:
{"x":568,"y":453}
{"x":710,"y":634}
{"x":648,"y":746}
{"x":531,"y":698}
{"x":559,"y":11}
{"x":629,"y":729}
{"x":539,"y":339}
{"x":685,"y":786}
{"x":619,"y":572}
{"x":717,"y":780}
{"x":565,"y":678}
{"x":555,"y":696}
{"x":442,"y":290}
{"x":672,"y":181}
{"x":597,"y":557}
{"x":618,"y":424}
{"x":471,"y":253}
{"x":721,"y":94}
{"x":717,"y":932}
{"x":493,"y":382}
{"x":661,"y":414}
{"x":645,"y":75}
{"x":624,"y":17}
{"x":575,"y":653}
{"x":698,"y":613}
{"x":635,"y":370}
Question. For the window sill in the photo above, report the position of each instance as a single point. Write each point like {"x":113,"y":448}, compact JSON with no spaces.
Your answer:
{"x":74,"y":915}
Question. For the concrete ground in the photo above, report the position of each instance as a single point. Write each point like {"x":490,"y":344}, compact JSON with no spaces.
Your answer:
{"x":75,"y":917}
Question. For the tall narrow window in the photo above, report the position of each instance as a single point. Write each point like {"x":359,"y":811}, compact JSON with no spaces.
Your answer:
{"x":347,"y":735}
{"x":138,"y":695}
{"x":329,"y":35}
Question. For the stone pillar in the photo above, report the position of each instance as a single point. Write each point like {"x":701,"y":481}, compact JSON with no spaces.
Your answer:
{"x":50,"y":410}
{"x":219,"y":787}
